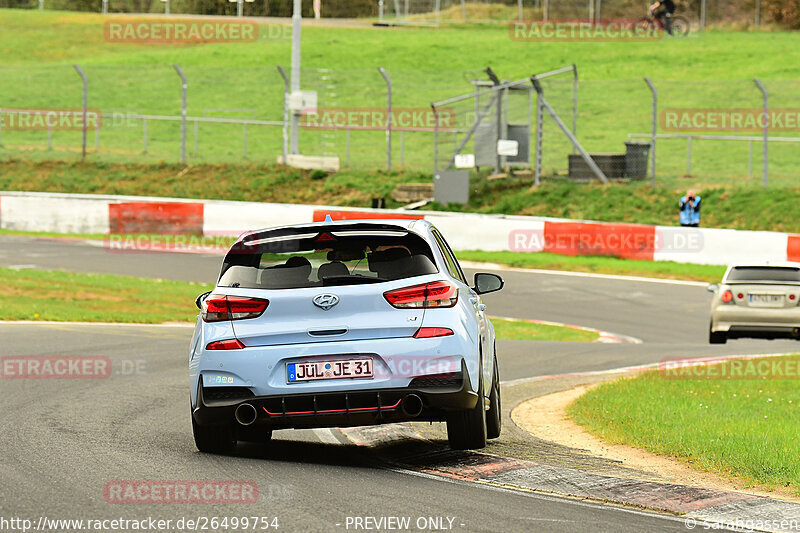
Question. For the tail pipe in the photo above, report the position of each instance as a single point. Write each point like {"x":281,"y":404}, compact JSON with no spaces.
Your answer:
{"x":246,"y":414}
{"x":411,"y":405}
{"x":796,"y":333}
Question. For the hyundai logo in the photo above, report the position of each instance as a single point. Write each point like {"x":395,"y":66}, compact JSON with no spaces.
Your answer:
{"x":326,"y":301}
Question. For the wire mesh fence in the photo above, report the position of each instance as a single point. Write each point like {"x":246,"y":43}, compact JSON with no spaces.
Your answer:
{"x":238,"y":114}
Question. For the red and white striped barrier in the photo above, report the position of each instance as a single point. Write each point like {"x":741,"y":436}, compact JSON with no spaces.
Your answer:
{"x":102,"y":214}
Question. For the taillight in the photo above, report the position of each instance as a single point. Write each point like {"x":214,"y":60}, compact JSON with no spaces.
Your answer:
{"x":425,"y":296}
{"x":427,"y":333}
{"x":726,"y":296}
{"x":228,"y":344}
{"x":218,"y":307}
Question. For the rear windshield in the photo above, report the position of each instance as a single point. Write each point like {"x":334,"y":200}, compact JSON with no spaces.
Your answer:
{"x":764,"y":274}
{"x":314,"y":257}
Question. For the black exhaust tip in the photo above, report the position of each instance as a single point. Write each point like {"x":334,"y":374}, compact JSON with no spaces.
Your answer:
{"x":411,"y":405}
{"x":246,"y":414}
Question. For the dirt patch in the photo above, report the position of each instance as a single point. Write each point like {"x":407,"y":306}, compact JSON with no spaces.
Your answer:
{"x":545,"y":417}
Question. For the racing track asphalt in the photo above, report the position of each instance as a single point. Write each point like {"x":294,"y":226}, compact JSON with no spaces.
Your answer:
{"x":64,"y":439}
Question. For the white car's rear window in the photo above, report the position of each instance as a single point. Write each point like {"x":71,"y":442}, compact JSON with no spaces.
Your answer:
{"x":764,"y":273}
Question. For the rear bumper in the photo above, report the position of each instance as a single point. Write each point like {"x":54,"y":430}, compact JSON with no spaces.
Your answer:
{"x":340,"y":408}
{"x":740,"y":321}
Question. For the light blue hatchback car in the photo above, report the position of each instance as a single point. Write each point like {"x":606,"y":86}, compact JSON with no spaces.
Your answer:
{"x":337,"y":324}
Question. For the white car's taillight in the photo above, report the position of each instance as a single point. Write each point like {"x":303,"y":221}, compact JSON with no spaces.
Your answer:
{"x":218,"y":307}
{"x":424,"y":296}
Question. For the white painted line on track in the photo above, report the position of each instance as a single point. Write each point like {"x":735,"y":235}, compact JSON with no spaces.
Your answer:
{"x":494,"y":266}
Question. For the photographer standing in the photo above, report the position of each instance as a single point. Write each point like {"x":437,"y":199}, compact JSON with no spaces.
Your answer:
{"x":689,"y":209}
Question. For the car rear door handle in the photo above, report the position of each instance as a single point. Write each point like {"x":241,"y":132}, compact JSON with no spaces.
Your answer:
{"x":481,"y":307}
{"x":473,"y":299}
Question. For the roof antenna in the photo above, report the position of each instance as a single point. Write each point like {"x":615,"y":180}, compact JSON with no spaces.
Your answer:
{"x":328,"y":219}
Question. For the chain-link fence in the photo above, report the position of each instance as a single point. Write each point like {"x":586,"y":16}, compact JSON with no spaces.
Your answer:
{"x":240,"y":114}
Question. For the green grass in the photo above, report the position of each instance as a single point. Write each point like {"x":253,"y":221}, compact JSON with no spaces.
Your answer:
{"x":66,"y":296}
{"x":426,"y":65}
{"x":742,"y":429}
{"x":600,"y":265}
{"x":524,"y":330}
{"x":771,"y":209}
{"x":50,"y":295}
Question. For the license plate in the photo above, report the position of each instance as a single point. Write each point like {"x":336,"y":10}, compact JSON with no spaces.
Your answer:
{"x":314,"y":370}
{"x":767,"y":300}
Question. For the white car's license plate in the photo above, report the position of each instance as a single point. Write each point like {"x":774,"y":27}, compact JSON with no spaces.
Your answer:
{"x":767,"y":300}
{"x":313,"y":370}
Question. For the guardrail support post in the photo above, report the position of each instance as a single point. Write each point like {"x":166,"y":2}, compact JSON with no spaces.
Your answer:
{"x":765,"y":94}
{"x":654,"y":131}
{"x":184,"y":86}
{"x":84,"y":105}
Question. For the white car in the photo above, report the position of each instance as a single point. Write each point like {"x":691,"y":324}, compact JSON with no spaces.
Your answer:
{"x":345,"y":323}
{"x":759,"y":301}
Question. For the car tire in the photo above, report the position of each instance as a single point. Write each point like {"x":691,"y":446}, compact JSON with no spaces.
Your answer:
{"x":217,"y":439}
{"x":466,"y":430}
{"x":494,"y":416}
{"x":716,"y":337}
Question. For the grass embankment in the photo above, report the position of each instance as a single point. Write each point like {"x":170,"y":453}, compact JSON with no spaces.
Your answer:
{"x":426,"y":65}
{"x":744,"y":429}
{"x":772,"y":209}
{"x":522,"y":330}
{"x":67,"y":296}
{"x":48,"y":295}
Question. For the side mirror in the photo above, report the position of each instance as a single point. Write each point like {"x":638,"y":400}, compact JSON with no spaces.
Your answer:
{"x":712,"y":287}
{"x":199,"y":301}
{"x":485,"y":283}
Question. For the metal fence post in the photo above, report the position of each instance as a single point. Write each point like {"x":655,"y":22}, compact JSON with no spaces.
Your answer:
{"x":285,"y":112}
{"x":546,"y":12}
{"x":144,"y":148}
{"x":519,"y":9}
{"x":196,"y":137}
{"x":297,"y":28}
{"x":765,"y":171}
{"x":388,"y":118}
{"x":537,"y":166}
{"x":574,"y":103}
{"x":435,"y":141}
{"x":184,"y":86}
{"x":758,"y":13}
{"x":85,"y":100}
{"x":654,"y":131}
{"x":703,"y":15}
{"x":244,"y":140}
